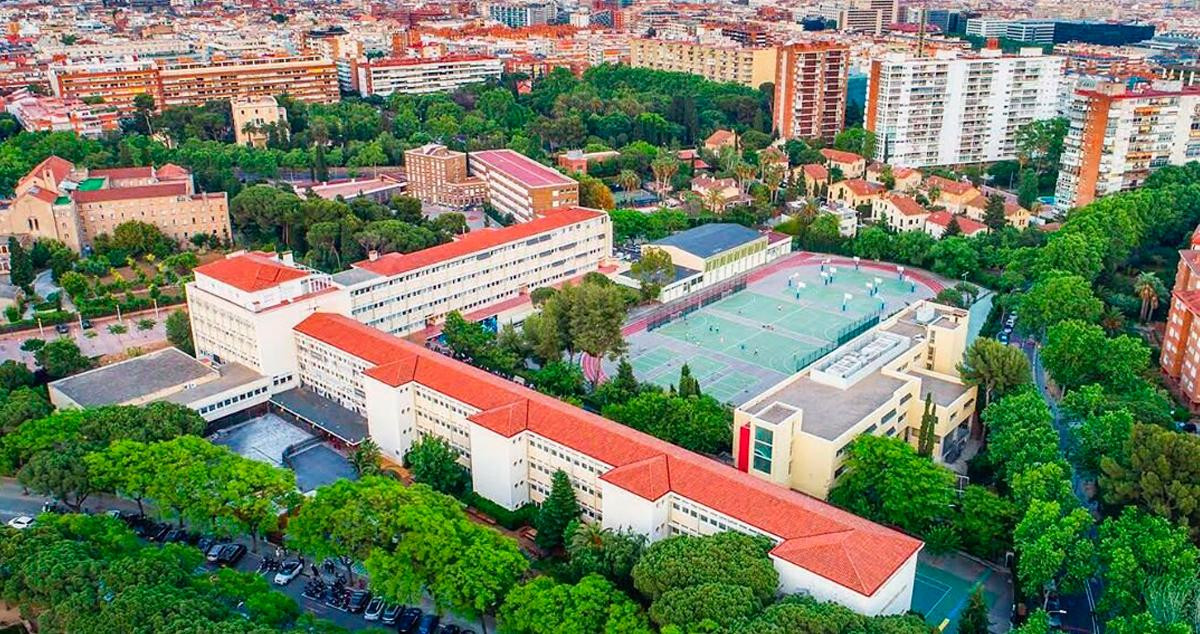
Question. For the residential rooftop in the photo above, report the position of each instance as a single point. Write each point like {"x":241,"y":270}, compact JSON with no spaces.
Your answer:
{"x":708,"y":240}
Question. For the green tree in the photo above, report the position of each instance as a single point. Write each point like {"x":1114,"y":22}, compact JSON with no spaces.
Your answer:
{"x":60,"y":473}
{"x":926,"y":436}
{"x":684,"y":561}
{"x":365,"y":458}
{"x":1100,"y":435}
{"x":707,"y":603}
{"x":125,"y":468}
{"x":560,"y":379}
{"x":654,"y":269}
{"x":1070,"y":353}
{"x":431,"y":460}
{"x":1057,"y":298}
{"x":688,"y":384}
{"x":975,"y":618}
{"x":1161,"y":475}
{"x":603,"y":551}
{"x":1135,"y":548}
{"x":1020,"y":433}
{"x":887,"y":481}
{"x":985,"y":521}
{"x":596,"y":316}
{"x":954,"y":257}
{"x":995,"y":368}
{"x":1028,"y":189}
{"x":1053,"y":548}
{"x":20,"y":405}
{"x":1050,"y":481}
{"x":557,"y":511}
{"x":699,"y":424}
{"x":20,"y":264}
{"x":994,"y":213}
{"x":61,"y":357}
{"x":592,"y":606}
{"x":179,"y":331}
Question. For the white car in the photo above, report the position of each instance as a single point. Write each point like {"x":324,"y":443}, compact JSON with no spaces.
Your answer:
{"x":288,"y":571}
{"x":21,"y":523}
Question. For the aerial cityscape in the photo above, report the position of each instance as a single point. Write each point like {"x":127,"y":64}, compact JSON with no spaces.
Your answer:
{"x":600,"y":317}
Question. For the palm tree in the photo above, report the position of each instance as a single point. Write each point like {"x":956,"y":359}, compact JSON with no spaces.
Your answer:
{"x":810,"y":209}
{"x":365,"y":458}
{"x":628,"y":180}
{"x":664,"y":169}
{"x":714,"y":200}
{"x":772,"y":176}
{"x":588,"y":535}
{"x":743,"y":172}
{"x":1147,"y":287}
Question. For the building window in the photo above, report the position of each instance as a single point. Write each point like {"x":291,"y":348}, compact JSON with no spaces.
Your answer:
{"x":763,"y":441}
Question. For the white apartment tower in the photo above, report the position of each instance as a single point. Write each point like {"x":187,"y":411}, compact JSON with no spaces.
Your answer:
{"x":958,"y":107}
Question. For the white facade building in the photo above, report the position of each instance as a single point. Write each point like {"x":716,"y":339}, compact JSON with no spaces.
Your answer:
{"x":513,"y":440}
{"x":420,"y":76}
{"x":955,"y":108}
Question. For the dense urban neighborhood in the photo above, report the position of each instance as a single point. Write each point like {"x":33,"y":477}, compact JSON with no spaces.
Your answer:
{"x":534,"y":317}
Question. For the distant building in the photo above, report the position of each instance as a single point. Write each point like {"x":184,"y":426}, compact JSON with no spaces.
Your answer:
{"x":51,"y":114}
{"x":522,"y":14}
{"x":520,"y":186}
{"x":254,"y":116}
{"x":415,"y":76}
{"x":1119,"y":136}
{"x":438,"y":176}
{"x":811,"y":90}
{"x":712,"y":253}
{"x":749,"y":66}
{"x":73,"y":205}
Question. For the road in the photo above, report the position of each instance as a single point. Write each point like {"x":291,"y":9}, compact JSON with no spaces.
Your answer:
{"x":1080,"y":608}
{"x":15,"y":502}
{"x":101,"y":343}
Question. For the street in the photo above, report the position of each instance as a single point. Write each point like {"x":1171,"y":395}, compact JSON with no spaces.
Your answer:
{"x":103,"y":343}
{"x":1080,"y":608}
{"x":14,"y":503}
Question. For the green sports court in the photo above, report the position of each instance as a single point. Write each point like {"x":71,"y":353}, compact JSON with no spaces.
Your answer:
{"x":943,"y":586}
{"x":738,"y":343}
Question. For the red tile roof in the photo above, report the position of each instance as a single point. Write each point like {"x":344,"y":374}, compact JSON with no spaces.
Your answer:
{"x":160,"y":190}
{"x":1010,"y":208}
{"x":117,"y":173}
{"x":250,"y":272}
{"x":521,"y":168}
{"x":44,"y":195}
{"x":906,"y":205}
{"x":839,"y":156}
{"x":171,"y":171}
{"x":968,"y":226}
{"x":816,"y":172}
{"x":861,"y":187}
{"x":948,"y":186}
{"x":59,"y":169}
{"x":720,"y":137}
{"x":476,"y":241}
{"x":1190,"y":299}
{"x":827,"y":541}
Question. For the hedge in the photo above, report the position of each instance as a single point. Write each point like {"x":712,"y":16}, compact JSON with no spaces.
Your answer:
{"x":512,"y":520}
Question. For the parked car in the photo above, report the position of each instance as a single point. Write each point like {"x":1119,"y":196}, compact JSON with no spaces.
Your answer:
{"x":288,"y":570}
{"x":391,"y":612}
{"x":374,"y":609}
{"x":158,"y":532}
{"x":226,"y":554}
{"x":358,"y":601}
{"x":21,"y":523}
{"x":62,"y":329}
{"x":428,"y":624}
{"x":1003,"y":337}
{"x":407,"y":623}
{"x":181,"y":536}
{"x":449,"y":628}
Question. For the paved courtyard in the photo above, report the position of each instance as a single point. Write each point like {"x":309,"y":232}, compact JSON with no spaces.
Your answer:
{"x":266,"y":438}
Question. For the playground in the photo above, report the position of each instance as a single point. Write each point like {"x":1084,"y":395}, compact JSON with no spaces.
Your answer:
{"x":740,"y":341}
{"x":944,"y":584}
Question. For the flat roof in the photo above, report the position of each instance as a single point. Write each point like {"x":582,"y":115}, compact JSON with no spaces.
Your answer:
{"x":522,"y":168}
{"x":708,"y":240}
{"x":231,"y":376}
{"x":829,"y":411}
{"x":324,"y":413}
{"x":134,"y":378}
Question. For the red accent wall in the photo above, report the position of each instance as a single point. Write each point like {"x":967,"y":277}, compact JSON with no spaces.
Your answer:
{"x":743,"y":449}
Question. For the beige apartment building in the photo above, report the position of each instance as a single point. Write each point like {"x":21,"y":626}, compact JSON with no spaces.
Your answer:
{"x":749,"y":66}
{"x":797,"y":433}
{"x":810,"y":90}
{"x":74,"y":204}
{"x":438,"y":176}
{"x":310,"y":78}
{"x":252,"y":115}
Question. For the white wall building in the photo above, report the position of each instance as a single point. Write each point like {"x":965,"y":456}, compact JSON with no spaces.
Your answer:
{"x":419,"y":76}
{"x":956,"y":108}
{"x":513,"y":440}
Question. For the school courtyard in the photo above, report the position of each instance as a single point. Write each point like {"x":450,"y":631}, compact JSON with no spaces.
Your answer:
{"x":740,"y":339}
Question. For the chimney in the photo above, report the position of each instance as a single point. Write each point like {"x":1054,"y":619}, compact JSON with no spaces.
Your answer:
{"x":372,"y":255}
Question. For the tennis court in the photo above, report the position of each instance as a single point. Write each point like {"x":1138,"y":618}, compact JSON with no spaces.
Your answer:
{"x":941,"y":594}
{"x":750,"y":339}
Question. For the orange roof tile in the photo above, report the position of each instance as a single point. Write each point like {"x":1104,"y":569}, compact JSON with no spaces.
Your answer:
{"x":159,"y":190}
{"x":840,"y":156}
{"x":948,"y":186}
{"x":59,"y":168}
{"x":827,"y":541}
{"x":861,"y":187}
{"x":476,"y":241}
{"x":968,"y":226}
{"x":250,"y":272}
{"x":817,"y":172}
{"x":123,"y":172}
{"x":906,"y":205}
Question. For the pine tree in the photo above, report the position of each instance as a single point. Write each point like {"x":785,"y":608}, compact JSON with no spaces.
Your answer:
{"x":975,"y":617}
{"x":320,"y":169}
{"x":928,"y":423}
{"x":20,"y":263}
{"x":688,"y":385}
{"x":557,"y":511}
{"x":625,"y":380}
{"x":952,"y":229}
{"x":993,"y":214}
